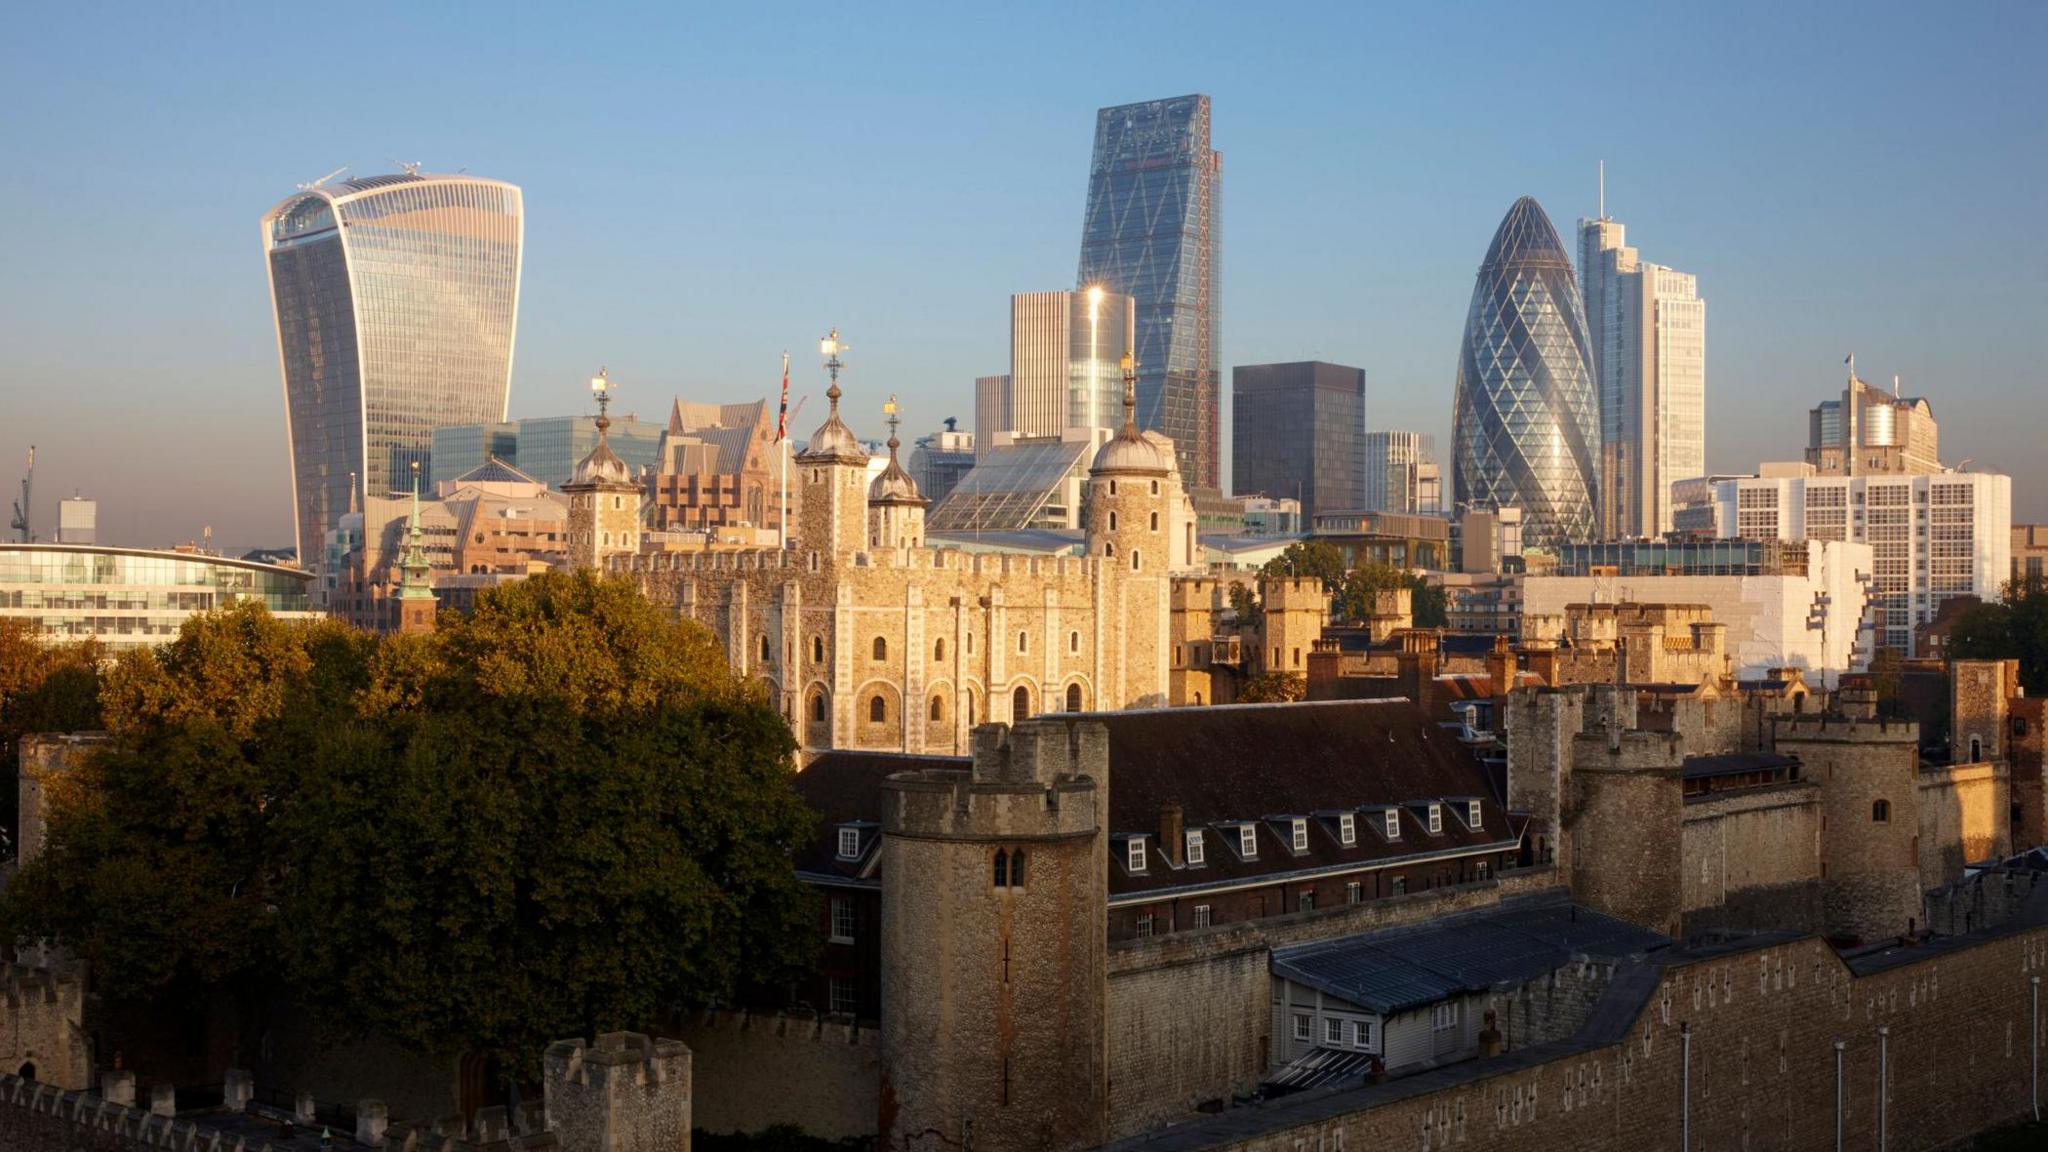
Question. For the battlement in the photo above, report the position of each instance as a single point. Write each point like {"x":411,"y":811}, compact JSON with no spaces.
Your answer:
{"x":1634,"y":750}
{"x":1036,"y":779}
{"x":624,"y":1093}
{"x":1838,"y":729}
{"x":1294,"y":594}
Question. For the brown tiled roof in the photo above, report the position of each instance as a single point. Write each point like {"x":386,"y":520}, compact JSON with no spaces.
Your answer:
{"x":1263,"y":763}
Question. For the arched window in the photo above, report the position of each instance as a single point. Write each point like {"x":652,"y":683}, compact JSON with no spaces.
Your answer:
{"x":1134,"y":559}
{"x":1155,"y":521}
{"x":1023,"y":641}
{"x":881,"y":648}
{"x":1108,"y":549}
{"x":1073,"y":697}
{"x":1155,"y":487}
{"x":818,"y":709}
{"x":1112,"y":487}
{"x":970,"y":707}
{"x":1001,"y":873}
{"x":1020,"y":703}
{"x":1198,"y":697}
{"x":1073,"y":641}
{"x":765,"y":657}
{"x":1016,"y":868}
{"x":1881,"y":811}
{"x":28,"y":1071}
{"x":938,"y":708}
{"x":1112,"y":521}
{"x":817,"y":649}
{"x":1976,"y":749}
{"x":939,"y":649}
{"x":878,"y":709}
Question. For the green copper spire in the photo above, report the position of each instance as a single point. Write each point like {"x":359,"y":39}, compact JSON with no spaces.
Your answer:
{"x":413,"y":583}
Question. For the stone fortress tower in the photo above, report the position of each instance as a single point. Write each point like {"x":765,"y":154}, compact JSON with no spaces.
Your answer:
{"x":604,"y":497}
{"x":895,"y":506}
{"x":993,"y":1016}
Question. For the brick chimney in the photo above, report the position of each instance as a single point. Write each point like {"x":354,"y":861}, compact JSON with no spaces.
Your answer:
{"x":1171,"y":839}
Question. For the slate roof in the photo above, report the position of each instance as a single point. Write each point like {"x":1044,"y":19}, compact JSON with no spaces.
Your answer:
{"x":846,"y":788}
{"x":1265,"y":764}
{"x":1411,"y":967}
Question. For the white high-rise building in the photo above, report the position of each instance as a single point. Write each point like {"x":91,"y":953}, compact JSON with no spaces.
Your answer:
{"x":1647,"y":327}
{"x":78,"y":520}
{"x":1932,"y":537}
{"x":1401,"y":474}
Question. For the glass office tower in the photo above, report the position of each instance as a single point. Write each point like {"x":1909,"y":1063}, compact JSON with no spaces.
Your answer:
{"x":1298,"y":433}
{"x":396,"y":300}
{"x":1525,"y":428}
{"x":1151,"y":231}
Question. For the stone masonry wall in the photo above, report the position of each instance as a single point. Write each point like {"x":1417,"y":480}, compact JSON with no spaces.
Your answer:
{"x":1752,"y":859}
{"x":1550,"y":1008}
{"x":826,"y":1076}
{"x":41,"y":1027}
{"x":1205,"y":996}
{"x":1965,"y":818}
{"x":1763,"y":1023}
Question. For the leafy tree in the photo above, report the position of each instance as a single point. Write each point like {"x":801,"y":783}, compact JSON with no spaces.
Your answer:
{"x":2013,"y":628}
{"x":561,"y":814}
{"x":1887,"y":677}
{"x":1431,"y":603}
{"x":1273,"y":688}
{"x":1244,"y":603}
{"x":1316,"y":558}
{"x":44,"y":687}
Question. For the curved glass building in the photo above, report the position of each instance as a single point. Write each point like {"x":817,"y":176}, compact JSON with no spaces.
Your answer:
{"x":396,"y":300}
{"x":136,"y":597}
{"x":1526,"y":427}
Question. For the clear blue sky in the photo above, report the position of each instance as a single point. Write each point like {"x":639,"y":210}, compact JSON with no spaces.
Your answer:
{"x":707,"y":188}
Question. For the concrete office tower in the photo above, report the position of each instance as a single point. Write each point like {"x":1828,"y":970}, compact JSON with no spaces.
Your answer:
{"x":1401,"y":474}
{"x":991,"y":410}
{"x":78,"y":520}
{"x":1525,"y":428}
{"x":1647,"y":329}
{"x":1152,"y":231}
{"x":396,"y":300}
{"x":1299,"y":434}
{"x":1066,"y":352}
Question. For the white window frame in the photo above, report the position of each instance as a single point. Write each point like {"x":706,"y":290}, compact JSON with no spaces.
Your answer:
{"x":1333,"y":1031}
{"x":1472,"y":813}
{"x":1361,"y":1033}
{"x":1203,"y":916}
{"x":1304,"y":1026}
{"x":1248,"y":841}
{"x":834,"y":986}
{"x":1145,"y":926}
{"x":1300,"y":830}
{"x":1436,"y":819}
{"x":841,"y":907}
{"x":1347,"y":829}
{"x":849,"y":843}
{"x":1134,"y":854}
{"x":1393,"y":824}
{"x":1196,"y":849}
{"x":1444,"y":1016}
{"x":1354,"y":893}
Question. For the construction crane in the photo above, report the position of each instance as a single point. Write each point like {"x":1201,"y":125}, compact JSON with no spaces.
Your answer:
{"x":23,"y":506}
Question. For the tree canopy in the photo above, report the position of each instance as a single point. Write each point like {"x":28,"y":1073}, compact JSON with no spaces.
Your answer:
{"x":559,"y":815}
{"x":1354,"y":589}
{"x":2014,"y":627}
{"x":44,"y":687}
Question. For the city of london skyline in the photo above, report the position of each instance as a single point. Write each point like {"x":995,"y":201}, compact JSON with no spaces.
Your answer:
{"x":700,"y":301}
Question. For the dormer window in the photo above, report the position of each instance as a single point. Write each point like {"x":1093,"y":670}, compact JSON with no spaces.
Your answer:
{"x":1135,"y":854}
{"x":1248,"y":841}
{"x":1195,"y":846}
{"x":849,"y":843}
{"x":1347,"y":829}
{"x":1436,"y":819}
{"x":1300,"y":829}
{"x":1472,"y":813}
{"x":1393,"y":825}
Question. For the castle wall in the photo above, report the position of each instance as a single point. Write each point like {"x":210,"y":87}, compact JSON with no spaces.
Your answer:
{"x":1868,"y":772}
{"x":1965,"y":818}
{"x":1752,"y":859}
{"x":1762,"y":1026}
{"x":826,"y":1076}
{"x":41,"y":1027}
{"x":1625,"y":813}
{"x":1190,"y":1013}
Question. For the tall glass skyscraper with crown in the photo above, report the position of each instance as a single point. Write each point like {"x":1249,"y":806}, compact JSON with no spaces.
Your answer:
{"x":397,"y":298}
{"x":1151,"y":232}
{"x":1525,"y":428}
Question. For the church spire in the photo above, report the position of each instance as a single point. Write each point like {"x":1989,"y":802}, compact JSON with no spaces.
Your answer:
{"x":416,"y":602}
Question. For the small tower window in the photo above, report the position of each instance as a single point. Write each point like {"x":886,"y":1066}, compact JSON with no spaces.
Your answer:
{"x":938,"y":708}
{"x":1134,"y":560}
{"x":970,"y":707}
{"x":764,"y":648}
{"x":618,"y":502}
{"x":1108,"y":549}
{"x":818,"y":709}
{"x":1881,"y":812}
{"x":1020,"y":703}
{"x":1112,"y":521}
{"x":1112,"y":487}
{"x":1001,"y":877}
{"x":878,"y":709}
{"x":970,"y":643}
{"x":1023,"y":641}
{"x":881,"y":648}
{"x":1155,"y":521}
{"x":939,"y":649}
{"x":817,"y":649}
{"x":1073,"y":697}
{"x":1073,"y":641}
{"x":1155,"y":487}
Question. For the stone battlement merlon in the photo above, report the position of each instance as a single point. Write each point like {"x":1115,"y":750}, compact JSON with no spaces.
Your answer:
{"x":1846,"y":729}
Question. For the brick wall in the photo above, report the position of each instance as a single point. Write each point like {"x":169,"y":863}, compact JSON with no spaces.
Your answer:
{"x":826,"y":1077}
{"x":1762,"y":1021}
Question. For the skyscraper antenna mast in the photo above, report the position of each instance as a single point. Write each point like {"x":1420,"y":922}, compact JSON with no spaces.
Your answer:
{"x":1603,"y":189}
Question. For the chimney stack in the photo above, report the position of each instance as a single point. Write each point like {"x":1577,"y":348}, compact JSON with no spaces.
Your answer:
{"x":1171,"y":838}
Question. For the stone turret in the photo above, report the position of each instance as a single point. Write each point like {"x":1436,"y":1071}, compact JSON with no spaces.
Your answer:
{"x":1296,"y":609}
{"x":1625,"y":820}
{"x":1130,"y":490}
{"x":993,"y":1030}
{"x":625,"y":1093}
{"x":895,"y":506}
{"x":1869,"y":772}
{"x":604,"y":499}
{"x":832,"y":474}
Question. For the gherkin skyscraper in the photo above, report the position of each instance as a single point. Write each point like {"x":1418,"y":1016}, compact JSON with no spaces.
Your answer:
{"x":1526,"y":428}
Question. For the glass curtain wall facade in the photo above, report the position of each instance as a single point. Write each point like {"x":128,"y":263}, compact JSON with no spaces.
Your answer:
{"x":135,"y":598}
{"x":396,"y":300}
{"x":1066,"y":350}
{"x":1298,"y":433}
{"x":1525,"y":428}
{"x":1152,"y":230}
